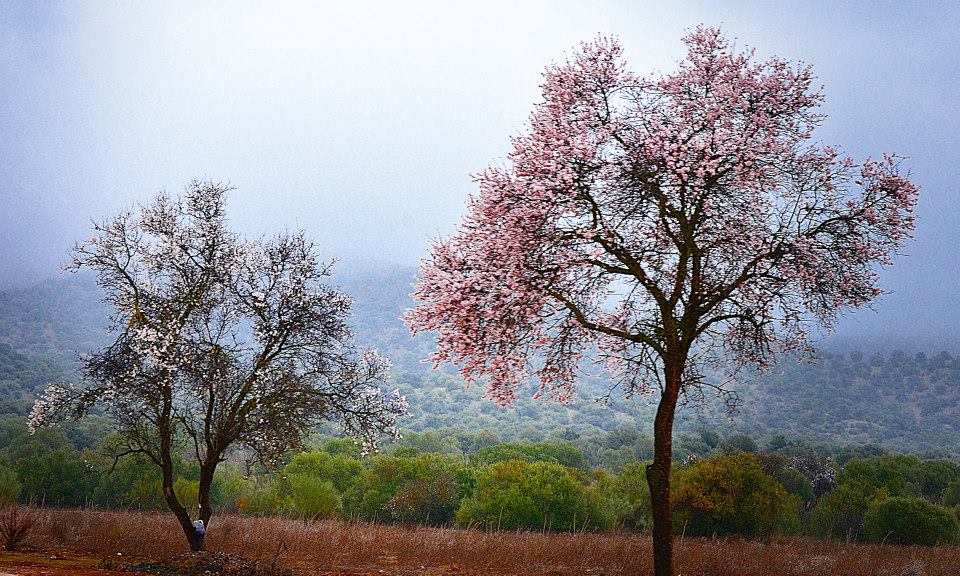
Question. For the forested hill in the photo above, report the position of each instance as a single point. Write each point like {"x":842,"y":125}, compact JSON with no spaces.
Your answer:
{"x":907,"y":402}
{"x":62,"y":317}
{"x":21,"y":375}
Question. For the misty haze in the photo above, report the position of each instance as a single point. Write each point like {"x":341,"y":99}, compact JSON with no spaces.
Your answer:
{"x":479,"y":288}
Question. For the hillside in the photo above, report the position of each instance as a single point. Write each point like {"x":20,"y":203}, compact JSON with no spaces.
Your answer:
{"x":21,"y":375}
{"x":56,"y":318}
{"x":905,"y":402}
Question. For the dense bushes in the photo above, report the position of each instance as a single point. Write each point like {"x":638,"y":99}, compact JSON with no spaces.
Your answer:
{"x":840,"y":513}
{"x":556,"y":452}
{"x":9,"y":486}
{"x":910,"y":521}
{"x":311,"y":497}
{"x":632,"y":498}
{"x":424,"y":488}
{"x":443,"y":478}
{"x":516,"y":494}
{"x":731,"y":495}
{"x":895,"y":494}
{"x":901,"y":475}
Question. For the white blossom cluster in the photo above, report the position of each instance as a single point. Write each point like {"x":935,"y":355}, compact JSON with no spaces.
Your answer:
{"x":48,"y":409}
{"x":820,"y":472}
{"x":223,"y":341}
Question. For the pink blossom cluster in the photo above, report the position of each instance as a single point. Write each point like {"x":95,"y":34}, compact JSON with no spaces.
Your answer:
{"x":641,"y":216}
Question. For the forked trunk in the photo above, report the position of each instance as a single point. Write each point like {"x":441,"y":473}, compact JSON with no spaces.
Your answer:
{"x":166,"y":432}
{"x":194,"y":538}
{"x":207,"y":471}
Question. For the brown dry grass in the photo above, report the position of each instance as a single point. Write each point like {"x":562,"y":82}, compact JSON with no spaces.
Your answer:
{"x":337,"y":547}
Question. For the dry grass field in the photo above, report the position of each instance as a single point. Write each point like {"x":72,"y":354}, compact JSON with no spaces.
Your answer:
{"x":328,"y":548}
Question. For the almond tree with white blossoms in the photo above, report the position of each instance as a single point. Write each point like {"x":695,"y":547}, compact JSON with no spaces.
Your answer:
{"x":222,"y":345}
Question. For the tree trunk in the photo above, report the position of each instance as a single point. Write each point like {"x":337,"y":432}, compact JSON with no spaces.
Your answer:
{"x":206,"y":481}
{"x":207,"y":471}
{"x":166,"y":431}
{"x":194,"y":539}
{"x":658,"y":476}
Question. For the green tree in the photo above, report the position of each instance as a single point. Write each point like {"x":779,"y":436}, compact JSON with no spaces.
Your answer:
{"x":9,"y":486}
{"x":425,"y":488}
{"x":342,"y":471}
{"x":349,"y":447}
{"x":729,"y":495}
{"x":130,"y":483}
{"x":562,"y":453}
{"x":57,"y":476}
{"x":840,"y":513}
{"x":632,"y":489}
{"x":951,"y":494}
{"x":517,"y":494}
{"x":739,"y":443}
{"x":910,"y":521}
{"x":311,"y":497}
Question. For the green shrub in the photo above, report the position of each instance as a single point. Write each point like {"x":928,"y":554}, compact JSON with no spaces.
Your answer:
{"x":348,"y":447}
{"x":840,"y":513}
{"x":428,"y":442}
{"x":562,"y":453}
{"x":709,"y":437}
{"x":266,"y":497}
{"x":231,"y":489}
{"x":951,"y":494}
{"x":520,"y":495}
{"x":739,"y":442}
{"x":795,"y":484}
{"x":910,"y":521}
{"x":601,"y":507}
{"x":9,"y":486}
{"x":134,"y":482}
{"x":433,"y":499}
{"x":900,"y":475}
{"x":57,"y":477}
{"x":933,"y":477}
{"x":188,"y":493}
{"x":235,"y":491}
{"x":792,"y":479}
{"x":340,"y":470}
{"x":632,"y":490}
{"x":310,"y":498}
{"x":730,"y":495}
{"x":425,"y":488}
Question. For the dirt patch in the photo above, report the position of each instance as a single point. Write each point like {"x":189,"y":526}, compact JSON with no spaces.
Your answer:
{"x":57,"y":563}
{"x":207,"y":564}
{"x":46,"y":563}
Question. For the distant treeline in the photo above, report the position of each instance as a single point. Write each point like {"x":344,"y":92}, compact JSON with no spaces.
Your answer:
{"x":472,"y":479}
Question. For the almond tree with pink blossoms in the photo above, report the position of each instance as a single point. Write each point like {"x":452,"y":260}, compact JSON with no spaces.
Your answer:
{"x":672,"y":226}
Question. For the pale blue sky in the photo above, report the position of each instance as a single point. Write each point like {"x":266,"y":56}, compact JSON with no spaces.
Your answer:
{"x":361,"y":121}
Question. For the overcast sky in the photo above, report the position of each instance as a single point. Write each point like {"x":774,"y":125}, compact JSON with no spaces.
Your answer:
{"x":361,"y":122}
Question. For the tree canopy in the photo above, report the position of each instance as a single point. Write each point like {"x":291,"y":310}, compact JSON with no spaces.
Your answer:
{"x":220,"y":344}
